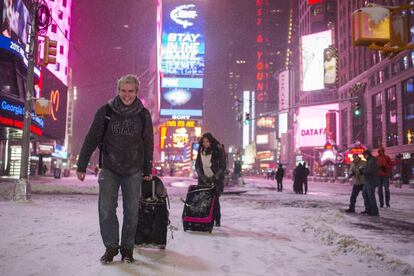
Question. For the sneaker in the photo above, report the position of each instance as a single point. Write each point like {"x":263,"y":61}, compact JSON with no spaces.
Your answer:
{"x":127,"y":255}
{"x":109,"y":255}
{"x":349,"y":211}
{"x":388,"y":206}
{"x":218,"y":224}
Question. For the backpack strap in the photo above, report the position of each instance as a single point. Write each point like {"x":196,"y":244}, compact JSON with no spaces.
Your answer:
{"x":108,"y":115}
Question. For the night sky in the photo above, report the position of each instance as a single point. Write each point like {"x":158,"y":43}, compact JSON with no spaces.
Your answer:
{"x":114,"y":39}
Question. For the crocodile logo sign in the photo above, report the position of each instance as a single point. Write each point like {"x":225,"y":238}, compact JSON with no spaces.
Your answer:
{"x":182,"y":13}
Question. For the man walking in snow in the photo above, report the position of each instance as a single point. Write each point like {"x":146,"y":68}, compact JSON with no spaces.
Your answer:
{"x":127,"y":150}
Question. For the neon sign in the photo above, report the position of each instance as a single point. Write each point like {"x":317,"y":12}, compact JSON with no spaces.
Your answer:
{"x":18,"y":111}
{"x":262,"y":66}
{"x":54,"y":104}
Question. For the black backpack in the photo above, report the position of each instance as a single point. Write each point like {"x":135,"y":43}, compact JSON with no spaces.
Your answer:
{"x":108,"y":115}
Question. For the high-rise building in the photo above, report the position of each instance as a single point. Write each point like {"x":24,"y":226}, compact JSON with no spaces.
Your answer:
{"x":313,"y":99}
{"x":376,"y":93}
{"x":48,"y":133}
{"x":271,"y":41}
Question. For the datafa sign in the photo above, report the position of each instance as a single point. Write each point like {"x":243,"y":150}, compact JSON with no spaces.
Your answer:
{"x":312,"y":125}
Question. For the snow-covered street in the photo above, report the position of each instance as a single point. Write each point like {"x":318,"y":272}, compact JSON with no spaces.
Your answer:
{"x":264,"y":232}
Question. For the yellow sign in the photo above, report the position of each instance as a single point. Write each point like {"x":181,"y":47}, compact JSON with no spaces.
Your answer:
{"x":180,"y":138}
{"x":180,"y":123}
{"x":266,"y":122}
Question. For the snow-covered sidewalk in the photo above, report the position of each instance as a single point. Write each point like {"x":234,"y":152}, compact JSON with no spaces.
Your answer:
{"x":264,"y":233}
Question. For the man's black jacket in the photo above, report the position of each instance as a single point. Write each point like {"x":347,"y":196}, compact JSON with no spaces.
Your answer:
{"x":127,"y":146}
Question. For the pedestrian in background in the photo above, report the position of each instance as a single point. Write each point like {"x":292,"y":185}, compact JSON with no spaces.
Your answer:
{"x":306,"y":173}
{"x":280,"y":173}
{"x":127,"y":151}
{"x":370,"y":172}
{"x":384,"y":164}
{"x":298,"y":178}
{"x":358,"y":181}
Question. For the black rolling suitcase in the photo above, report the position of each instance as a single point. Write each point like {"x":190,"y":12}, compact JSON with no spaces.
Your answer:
{"x":153,"y":215}
{"x":198,"y":213}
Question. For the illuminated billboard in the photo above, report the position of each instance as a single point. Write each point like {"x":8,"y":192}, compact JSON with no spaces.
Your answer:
{"x":266,"y":122}
{"x":181,"y":102}
{"x":312,"y":125}
{"x":284,"y":90}
{"x":262,"y":139}
{"x":283,"y":123}
{"x":312,"y":59}
{"x":182,"y":60}
{"x":330,"y":67}
{"x":55,"y":91}
{"x":266,"y":155}
{"x":15,"y":21}
{"x":182,"y":40}
{"x":59,"y":30}
{"x":11,"y":115}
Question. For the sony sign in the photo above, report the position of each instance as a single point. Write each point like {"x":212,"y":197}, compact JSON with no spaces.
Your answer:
{"x":181,"y":13}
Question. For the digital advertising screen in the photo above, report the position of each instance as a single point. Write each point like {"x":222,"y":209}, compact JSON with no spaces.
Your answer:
{"x":15,"y":21}
{"x":182,"y":39}
{"x":181,"y":102}
{"x":56,"y":92}
{"x":283,"y":123}
{"x":330,"y":63}
{"x":12,"y":115}
{"x":182,"y":60}
{"x":59,"y":30}
{"x":312,"y":125}
{"x":312,"y":59}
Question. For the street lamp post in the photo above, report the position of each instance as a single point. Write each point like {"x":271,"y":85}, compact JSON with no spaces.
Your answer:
{"x":22,"y":189}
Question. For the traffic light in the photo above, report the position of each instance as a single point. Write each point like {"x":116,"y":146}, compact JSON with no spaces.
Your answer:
{"x":246,"y":118}
{"x":357,"y":109}
{"x":49,"y":51}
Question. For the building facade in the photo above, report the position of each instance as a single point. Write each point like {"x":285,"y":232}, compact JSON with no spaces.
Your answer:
{"x":385,"y":86}
{"x":313,"y":101}
{"x":48,"y":133}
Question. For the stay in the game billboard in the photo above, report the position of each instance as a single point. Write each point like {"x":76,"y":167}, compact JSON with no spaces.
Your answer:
{"x":182,"y":59}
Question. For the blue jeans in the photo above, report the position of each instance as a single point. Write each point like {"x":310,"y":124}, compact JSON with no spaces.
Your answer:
{"x":108,"y":202}
{"x":384,"y":181}
{"x":370,"y":202}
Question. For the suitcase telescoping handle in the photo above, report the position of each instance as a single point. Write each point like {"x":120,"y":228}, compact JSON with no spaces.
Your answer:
{"x":152,"y":189}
